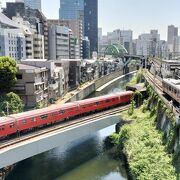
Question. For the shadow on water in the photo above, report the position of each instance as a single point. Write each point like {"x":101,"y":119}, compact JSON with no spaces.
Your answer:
{"x":84,"y":159}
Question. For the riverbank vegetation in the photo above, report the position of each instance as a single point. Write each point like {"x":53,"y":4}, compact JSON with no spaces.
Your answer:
{"x":143,"y":147}
{"x":137,"y":78}
{"x":149,"y":150}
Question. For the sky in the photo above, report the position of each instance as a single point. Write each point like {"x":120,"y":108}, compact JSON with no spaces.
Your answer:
{"x":138,"y":15}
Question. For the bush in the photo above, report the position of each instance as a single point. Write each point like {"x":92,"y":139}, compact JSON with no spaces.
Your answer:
{"x":143,"y":146}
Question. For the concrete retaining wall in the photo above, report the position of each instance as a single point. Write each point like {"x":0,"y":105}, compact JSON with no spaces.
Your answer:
{"x":94,"y":86}
{"x":100,"y":82}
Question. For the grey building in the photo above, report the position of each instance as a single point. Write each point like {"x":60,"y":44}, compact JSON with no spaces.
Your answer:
{"x":58,"y":42}
{"x":172,"y":34}
{"x":13,"y":8}
{"x":74,"y":72}
{"x":56,"y":77}
{"x":32,"y":85}
{"x":77,"y":30}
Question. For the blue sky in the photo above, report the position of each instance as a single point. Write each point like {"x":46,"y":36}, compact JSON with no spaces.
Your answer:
{"x":138,"y":15}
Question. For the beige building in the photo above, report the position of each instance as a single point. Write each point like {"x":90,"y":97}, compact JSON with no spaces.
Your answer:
{"x":32,"y":85}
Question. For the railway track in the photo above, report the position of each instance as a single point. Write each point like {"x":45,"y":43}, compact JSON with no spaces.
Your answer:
{"x":154,"y":81}
{"x":64,"y":126}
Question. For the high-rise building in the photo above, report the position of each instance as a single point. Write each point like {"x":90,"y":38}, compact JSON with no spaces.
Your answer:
{"x":172,"y":35}
{"x":84,"y":10}
{"x":71,"y":9}
{"x":34,"y":4}
{"x":91,"y":23}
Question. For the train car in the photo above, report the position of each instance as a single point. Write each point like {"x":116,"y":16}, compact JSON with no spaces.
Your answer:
{"x":7,"y":126}
{"x":172,"y":88}
{"x":37,"y":118}
{"x":104,"y":102}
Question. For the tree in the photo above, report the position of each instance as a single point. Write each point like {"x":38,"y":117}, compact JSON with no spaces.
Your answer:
{"x":8,"y":71}
{"x":10,"y":104}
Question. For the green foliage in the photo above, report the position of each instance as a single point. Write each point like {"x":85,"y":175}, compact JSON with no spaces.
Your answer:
{"x":136,"y":79}
{"x":144,"y":149}
{"x":8,"y":72}
{"x":10,"y":104}
{"x":131,"y":107}
{"x":40,"y":105}
{"x":139,"y":98}
{"x":114,"y":138}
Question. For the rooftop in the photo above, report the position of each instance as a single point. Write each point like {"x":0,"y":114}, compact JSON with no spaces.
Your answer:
{"x":8,"y":22}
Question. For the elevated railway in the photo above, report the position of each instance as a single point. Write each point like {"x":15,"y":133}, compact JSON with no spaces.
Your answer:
{"x":62,"y":126}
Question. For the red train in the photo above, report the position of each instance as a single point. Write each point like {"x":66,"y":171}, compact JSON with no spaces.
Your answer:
{"x":38,"y":118}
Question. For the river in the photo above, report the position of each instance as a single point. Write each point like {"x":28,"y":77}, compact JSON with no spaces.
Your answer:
{"x":84,"y":159}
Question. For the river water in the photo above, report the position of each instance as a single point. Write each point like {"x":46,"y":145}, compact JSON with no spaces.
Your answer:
{"x":84,"y":159}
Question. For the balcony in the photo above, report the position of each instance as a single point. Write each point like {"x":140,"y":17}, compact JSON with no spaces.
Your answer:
{"x":53,"y":87}
{"x":39,"y":80}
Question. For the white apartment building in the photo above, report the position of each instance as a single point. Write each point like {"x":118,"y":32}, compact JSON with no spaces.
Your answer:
{"x":12,"y":43}
{"x":12,"y":39}
{"x":59,"y":43}
{"x":34,"y":41}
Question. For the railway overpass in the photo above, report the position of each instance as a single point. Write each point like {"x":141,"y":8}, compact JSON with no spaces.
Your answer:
{"x":44,"y":140}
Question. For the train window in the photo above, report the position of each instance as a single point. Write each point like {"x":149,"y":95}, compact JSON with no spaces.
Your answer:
{"x":23,"y":121}
{"x":96,"y":103}
{"x":45,"y":116}
{"x":175,"y":91}
{"x":33,"y":119}
{"x":2,"y":128}
{"x":11,"y":125}
{"x":54,"y":114}
{"x":84,"y":107}
{"x":61,"y":111}
{"x":108,"y":100}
